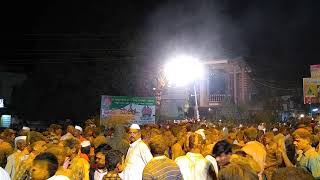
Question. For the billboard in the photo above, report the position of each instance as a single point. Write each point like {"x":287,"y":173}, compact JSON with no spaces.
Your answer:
{"x":140,"y":110}
{"x":315,"y":71}
{"x":311,"y":90}
{"x":5,"y":121}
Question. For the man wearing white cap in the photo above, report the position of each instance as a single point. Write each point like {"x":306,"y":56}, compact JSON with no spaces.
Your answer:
{"x":78,"y":132}
{"x":85,"y":150}
{"x":14,"y":159}
{"x":25,"y":131}
{"x":138,"y":155}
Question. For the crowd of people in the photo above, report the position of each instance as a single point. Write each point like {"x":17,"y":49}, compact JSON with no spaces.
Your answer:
{"x":189,"y":151}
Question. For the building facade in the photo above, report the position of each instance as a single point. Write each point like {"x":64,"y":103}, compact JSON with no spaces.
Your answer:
{"x":225,"y":79}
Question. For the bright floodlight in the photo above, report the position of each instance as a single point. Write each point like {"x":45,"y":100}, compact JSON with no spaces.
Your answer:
{"x":182,"y":70}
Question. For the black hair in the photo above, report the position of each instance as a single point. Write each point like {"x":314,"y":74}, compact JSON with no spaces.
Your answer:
{"x":221,"y":147}
{"x":52,"y":161}
{"x":85,"y":150}
{"x":113,"y":157}
{"x":104,"y":148}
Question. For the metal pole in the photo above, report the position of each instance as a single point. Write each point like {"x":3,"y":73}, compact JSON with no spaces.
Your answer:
{"x":196,"y":109}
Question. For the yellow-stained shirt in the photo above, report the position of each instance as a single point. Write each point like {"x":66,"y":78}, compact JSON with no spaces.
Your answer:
{"x":177,"y":151}
{"x":79,"y":168}
{"x":24,"y":167}
{"x":5,"y":150}
{"x":257,"y":151}
{"x":14,"y":160}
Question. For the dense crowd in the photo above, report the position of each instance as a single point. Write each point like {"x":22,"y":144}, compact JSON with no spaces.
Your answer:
{"x":190,"y":151}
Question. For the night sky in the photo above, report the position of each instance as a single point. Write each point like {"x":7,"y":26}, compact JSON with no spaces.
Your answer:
{"x":74,"y":51}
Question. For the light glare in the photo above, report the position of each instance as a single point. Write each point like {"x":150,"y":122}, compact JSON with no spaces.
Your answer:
{"x":182,"y":70}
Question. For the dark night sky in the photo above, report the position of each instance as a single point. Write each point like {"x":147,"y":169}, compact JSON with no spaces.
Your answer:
{"x":88,"y":40}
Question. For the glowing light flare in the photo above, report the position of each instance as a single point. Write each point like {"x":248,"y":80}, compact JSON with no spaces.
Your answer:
{"x":315,"y":110}
{"x":182,"y":70}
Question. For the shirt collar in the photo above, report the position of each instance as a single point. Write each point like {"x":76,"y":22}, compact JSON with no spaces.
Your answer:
{"x":102,"y":171}
{"x":190,"y":154}
{"x":160,"y":157}
{"x":135,"y":143}
{"x":309,"y":151}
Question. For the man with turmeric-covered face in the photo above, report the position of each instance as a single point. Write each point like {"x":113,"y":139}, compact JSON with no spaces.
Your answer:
{"x":310,"y":159}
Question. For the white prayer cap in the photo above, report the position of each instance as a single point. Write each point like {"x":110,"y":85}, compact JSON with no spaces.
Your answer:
{"x":134,"y":126}
{"x":25,"y":128}
{"x":201,"y":133}
{"x":20,"y":138}
{"x":78,"y":127}
{"x":85,"y":144}
{"x":274,"y":129}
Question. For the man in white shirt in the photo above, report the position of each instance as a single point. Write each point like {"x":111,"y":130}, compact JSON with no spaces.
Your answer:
{"x":193,"y":165}
{"x":15,"y":159}
{"x":138,"y":155}
{"x":4,"y":175}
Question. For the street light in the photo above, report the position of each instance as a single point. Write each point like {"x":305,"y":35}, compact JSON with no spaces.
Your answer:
{"x":182,"y":70}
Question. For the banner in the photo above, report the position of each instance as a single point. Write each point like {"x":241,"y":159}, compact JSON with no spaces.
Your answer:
{"x":315,"y":71}
{"x":1,"y":103}
{"x":5,"y":121}
{"x":311,"y":90}
{"x":140,"y":110}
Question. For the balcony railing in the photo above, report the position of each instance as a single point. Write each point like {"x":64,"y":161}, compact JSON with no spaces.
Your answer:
{"x":217,"y":98}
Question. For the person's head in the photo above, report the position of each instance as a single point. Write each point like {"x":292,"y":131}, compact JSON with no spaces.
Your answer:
{"x":44,"y":166}
{"x":100,"y":153}
{"x":181,"y":138}
{"x":158,"y":145}
{"x":222,"y":151}
{"x":60,"y":152}
{"x":88,"y":131}
{"x":194,"y":143}
{"x":101,"y":159}
{"x":25,"y":130}
{"x":292,"y":173}
{"x":85,"y":147}
{"x":251,"y":134}
{"x":73,"y":145}
{"x":267,"y":138}
{"x":70,"y":129}
{"x":58,"y":131}
{"x":21,"y":142}
{"x":114,"y":159}
{"x":77,"y":131}
{"x":96,"y":131}
{"x":237,"y":171}
{"x":134,"y":133}
{"x":38,"y":147}
{"x":240,"y":136}
{"x":102,"y":147}
{"x":302,"y":139}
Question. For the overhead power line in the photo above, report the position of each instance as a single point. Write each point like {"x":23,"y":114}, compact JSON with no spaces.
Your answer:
{"x":273,"y":87}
